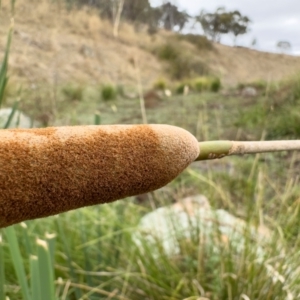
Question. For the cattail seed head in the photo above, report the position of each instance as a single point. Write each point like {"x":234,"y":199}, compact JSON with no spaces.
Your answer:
{"x":48,"y":171}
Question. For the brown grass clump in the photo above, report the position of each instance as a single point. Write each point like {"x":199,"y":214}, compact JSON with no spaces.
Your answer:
{"x":53,"y":170}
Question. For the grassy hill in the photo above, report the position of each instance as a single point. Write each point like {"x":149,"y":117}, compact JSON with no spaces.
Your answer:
{"x":53,"y":45}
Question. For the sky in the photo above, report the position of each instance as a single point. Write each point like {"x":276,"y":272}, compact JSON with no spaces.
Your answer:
{"x":272,"y":21}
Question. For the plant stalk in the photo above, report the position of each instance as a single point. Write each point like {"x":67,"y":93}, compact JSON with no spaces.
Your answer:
{"x":219,"y":149}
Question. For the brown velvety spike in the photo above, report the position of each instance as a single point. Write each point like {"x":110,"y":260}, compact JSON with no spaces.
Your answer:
{"x":48,"y":171}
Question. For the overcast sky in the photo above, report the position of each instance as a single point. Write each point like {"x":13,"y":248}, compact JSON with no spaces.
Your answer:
{"x":272,"y":21}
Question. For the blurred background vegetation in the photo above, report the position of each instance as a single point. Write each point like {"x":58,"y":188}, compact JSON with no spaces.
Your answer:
{"x":92,"y":62}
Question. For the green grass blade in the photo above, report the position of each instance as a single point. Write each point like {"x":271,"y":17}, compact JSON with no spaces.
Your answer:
{"x":67,"y":251}
{"x":84,"y":240}
{"x":17,"y":260}
{"x":51,"y":241}
{"x":11,"y":115}
{"x":35,"y":278}
{"x":2,"y":269}
{"x":97,"y":118}
{"x":4,"y":66}
{"x":45,"y":270}
{"x":25,"y":239}
{"x":12,"y":6}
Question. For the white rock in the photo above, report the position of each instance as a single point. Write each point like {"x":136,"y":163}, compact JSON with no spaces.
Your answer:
{"x":168,"y":93}
{"x":19,"y":119}
{"x":166,"y":226}
{"x":249,"y":91}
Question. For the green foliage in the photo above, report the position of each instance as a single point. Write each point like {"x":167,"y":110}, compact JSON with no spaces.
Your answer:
{"x":201,"y":42}
{"x":108,"y":92}
{"x":4,"y":76}
{"x":206,"y":83}
{"x":295,"y":94}
{"x":201,"y":84}
{"x":167,"y":15}
{"x":187,"y":67}
{"x":223,"y":22}
{"x":215,"y":85}
{"x":3,"y":68}
{"x":198,"y":85}
{"x":255,"y":117}
{"x":73,"y":92}
{"x":180,"y":64}
{"x":10,"y":117}
{"x":2,"y":269}
{"x":278,"y":113}
{"x":160,"y":84}
{"x":285,"y":123}
{"x":97,"y":118}
{"x":284,"y":46}
{"x":41,"y":265}
{"x":181,"y":88}
{"x":168,"y":52}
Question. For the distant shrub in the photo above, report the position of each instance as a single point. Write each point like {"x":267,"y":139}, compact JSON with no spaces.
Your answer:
{"x":168,"y":51}
{"x":181,"y":64}
{"x":160,"y":84}
{"x":108,"y":92}
{"x":186,"y":66}
{"x":201,"y":84}
{"x":73,"y":92}
{"x":198,"y":85}
{"x":182,"y":88}
{"x":206,"y":83}
{"x":215,"y":85}
{"x":259,"y":84}
{"x":201,"y":42}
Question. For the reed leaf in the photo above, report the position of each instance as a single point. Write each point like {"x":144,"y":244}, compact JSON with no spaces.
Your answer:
{"x":17,"y":260}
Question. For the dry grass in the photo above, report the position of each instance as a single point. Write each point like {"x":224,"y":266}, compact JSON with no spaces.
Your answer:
{"x":53,"y":45}
{"x":235,"y":65}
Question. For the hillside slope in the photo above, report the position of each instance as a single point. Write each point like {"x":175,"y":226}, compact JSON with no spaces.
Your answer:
{"x":51,"y":45}
{"x":245,"y":65}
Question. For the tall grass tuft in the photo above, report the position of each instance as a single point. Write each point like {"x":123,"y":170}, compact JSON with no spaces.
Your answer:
{"x":108,"y":92}
{"x":2,"y":269}
{"x":215,"y":85}
{"x":3,"y":72}
{"x":97,"y":256}
{"x":73,"y":92}
{"x":278,"y":113}
{"x":4,"y":67}
{"x":18,"y":263}
{"x":180,"y":64}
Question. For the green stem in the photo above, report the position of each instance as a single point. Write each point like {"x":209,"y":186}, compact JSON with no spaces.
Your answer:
{"x":219,"y":149}
{"x":214,"y":149}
